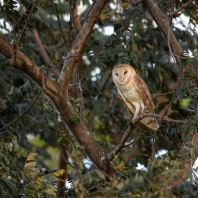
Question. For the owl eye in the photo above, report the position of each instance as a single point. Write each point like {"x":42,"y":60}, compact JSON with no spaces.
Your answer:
{"x":125,"y":72}
{"x":116,"y":74}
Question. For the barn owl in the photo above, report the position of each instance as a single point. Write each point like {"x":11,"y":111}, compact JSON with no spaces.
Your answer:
{"x":135,"y":93}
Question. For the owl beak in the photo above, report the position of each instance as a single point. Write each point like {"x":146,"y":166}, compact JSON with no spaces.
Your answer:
{"x":122,"y":79}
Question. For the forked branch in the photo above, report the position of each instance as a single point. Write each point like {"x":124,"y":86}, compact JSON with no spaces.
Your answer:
{"x":179,"y":9}
{"x":78,"y":45}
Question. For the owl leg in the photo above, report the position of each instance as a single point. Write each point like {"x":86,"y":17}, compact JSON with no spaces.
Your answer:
{"x":142,"y":107}
{"x":137,"y":109}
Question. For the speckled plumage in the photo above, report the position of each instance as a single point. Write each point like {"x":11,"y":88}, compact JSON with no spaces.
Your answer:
{"x":134,"y":92}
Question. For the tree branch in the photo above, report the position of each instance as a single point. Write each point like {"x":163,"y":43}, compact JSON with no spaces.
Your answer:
{"x":78,"y":45}
{"x":28,"y":108}
{"x":41,"y":49}
{"x":179,"y":9}
{"x":76,"y":20}
{"x":134,"y":3}
{"x":162,"y":117}
{"x":164,"y":25}
{"x":118,"y":148}
{"x":60,"y":26}
{"x":44,"y":54}
{"x":170,"y":92}
{"x":29,"y":68}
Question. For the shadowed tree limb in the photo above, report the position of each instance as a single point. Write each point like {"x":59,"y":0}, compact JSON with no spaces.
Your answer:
{"x":28,"y":67}
{"x":60,"y":97}
{"x":132,"y":126}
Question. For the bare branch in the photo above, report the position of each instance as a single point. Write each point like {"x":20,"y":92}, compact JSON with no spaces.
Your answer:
{"x":78,"y":45}
{"x":164,"y":25}
{"x":134,"y":3}
{"x":76,"y":20}
{"x":60,"y":26}
{"x":24,"y":27}
{"x":15,"y":120}
{"x":179,"y":9}
{"x":172,"y":9}
{"x":118,"y":148}
{"x":79,"y":91}
{"x":162,"y":94}
{"x":175,"y":97}
{"x":42,"y":50}
{"x":160,"y":117}
{"x":44,"y":54}
{"x":27,"y":66}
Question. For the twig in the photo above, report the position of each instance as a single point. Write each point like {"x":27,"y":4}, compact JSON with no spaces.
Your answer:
{"x":44,"y":54}
{"x":179,"y":9}
{"x":62,"y":155}
{"x":129,"y":144}
{"x":165,"y":118}
{"x":134,"y":3}
{"x":162,"y":94}
{"x":42,"y":50}
{"x":30,"y":14}
{"x":169,"y":106}
{"x":76,"y":20}
{"x":195,"y":5}
{"x":78,"y":44}
{"x":61,"y":29}
{"x":172,"y":9}
{"x":118,"y":148}
{"x":23,"y":112}
{"x":79,"y":91}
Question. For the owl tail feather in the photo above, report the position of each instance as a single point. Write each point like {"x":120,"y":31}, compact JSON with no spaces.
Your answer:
{"x":150,"y":123}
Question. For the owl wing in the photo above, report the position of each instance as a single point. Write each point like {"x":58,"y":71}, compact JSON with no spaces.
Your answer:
{"x":129,"y":105}
{"x":149,"y":122}
{"x":144,"y":92}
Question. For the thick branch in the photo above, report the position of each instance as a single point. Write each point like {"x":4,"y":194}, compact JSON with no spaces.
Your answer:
{"x":28,"y":67}
{"x":78,"y":44}
{"x":85,"y":138}
{"x":164,"y":25}
{"x":44,"y":54}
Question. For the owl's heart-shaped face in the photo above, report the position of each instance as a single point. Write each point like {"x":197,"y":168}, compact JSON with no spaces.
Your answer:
{"x":122,"y":75}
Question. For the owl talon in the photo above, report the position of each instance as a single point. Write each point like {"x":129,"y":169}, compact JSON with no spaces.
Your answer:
{"x":131,"y":121}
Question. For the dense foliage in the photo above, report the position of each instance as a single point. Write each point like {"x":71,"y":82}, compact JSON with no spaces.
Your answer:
{"x":123,"y":33}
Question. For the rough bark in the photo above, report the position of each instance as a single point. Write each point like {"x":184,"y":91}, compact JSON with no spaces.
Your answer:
{"x":78,"y":44}
{"x":163,"y":24}
{"x":187,"y":156}
{"x":59,"y":92}
{"x":62,"y":165}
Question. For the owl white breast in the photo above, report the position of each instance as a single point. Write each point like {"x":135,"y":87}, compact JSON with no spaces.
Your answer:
{"x":134,"y":92}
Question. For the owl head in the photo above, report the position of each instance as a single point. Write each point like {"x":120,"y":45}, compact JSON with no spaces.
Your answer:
{"x":122,"y":74}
